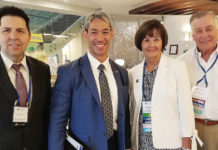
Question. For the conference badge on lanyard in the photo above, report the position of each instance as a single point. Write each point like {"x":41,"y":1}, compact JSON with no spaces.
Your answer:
{"x":146,"y":111}
{"x":20,"y":115}
{"x":200,"y":94}
{"x":199,"y":98}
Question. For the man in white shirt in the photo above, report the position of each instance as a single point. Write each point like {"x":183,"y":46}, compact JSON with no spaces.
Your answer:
{"x":24,"y":86}
{"x":92,"y":92}
{"x":202,"y":65}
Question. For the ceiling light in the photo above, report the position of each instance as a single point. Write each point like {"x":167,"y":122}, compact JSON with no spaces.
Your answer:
{"x":57,"y":36}
{"x":60,"y":36}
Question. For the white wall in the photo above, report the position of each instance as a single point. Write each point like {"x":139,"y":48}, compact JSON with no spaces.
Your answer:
{"x":175,"y":27}
{"x":76,"y":47}
{"x":73,"y":49}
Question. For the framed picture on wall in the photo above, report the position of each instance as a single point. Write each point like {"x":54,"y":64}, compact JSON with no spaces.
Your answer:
{"x":173,"y":49}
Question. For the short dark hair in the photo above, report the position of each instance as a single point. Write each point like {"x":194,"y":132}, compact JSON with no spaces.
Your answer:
{"x":14,"y":11}
{"x":147,"y":29}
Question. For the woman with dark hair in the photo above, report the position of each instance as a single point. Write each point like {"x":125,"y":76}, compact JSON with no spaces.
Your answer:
{"x":161,"y":108}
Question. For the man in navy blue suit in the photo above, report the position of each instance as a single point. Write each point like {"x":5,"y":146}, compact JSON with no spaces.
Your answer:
{"x":78,"y":95}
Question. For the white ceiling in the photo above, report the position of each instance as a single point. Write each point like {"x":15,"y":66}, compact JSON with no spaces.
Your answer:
{"x":80,"y":7}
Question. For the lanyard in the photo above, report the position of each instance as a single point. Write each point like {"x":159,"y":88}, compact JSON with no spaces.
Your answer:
{"x":205,"y":71}
{"x":29,"y":93}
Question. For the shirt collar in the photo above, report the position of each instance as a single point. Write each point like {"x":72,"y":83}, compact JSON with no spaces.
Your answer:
{"x":198,"y":53}
{"x":8,"y":63}
{"x":95,"y":63}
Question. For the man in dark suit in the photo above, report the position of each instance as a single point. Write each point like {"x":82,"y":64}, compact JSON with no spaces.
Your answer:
{"x":92,"y":92}
{"x":24,"y":86}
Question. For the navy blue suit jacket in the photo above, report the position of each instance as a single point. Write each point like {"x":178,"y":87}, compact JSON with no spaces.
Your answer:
{"x":75,"y":97}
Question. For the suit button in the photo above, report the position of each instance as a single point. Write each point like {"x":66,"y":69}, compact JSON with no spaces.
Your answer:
{"x":24,"y":148}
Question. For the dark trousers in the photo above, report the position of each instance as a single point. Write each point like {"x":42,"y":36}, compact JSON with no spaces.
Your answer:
{"x":113,"y":142}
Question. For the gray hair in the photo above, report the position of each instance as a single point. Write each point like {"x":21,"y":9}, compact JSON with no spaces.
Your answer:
{"x":95,"y":15}
{"x":202,"y":14}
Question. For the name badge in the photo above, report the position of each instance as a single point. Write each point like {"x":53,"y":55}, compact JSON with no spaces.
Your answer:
{"x":199,"y":98}
{"x":146,"y":111}
{"x":20,"y":114}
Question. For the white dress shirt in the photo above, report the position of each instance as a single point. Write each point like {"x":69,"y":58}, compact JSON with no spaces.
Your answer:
{"x":111,"y":81}
{"x":196,"y":73}
{"x":12,"y":73}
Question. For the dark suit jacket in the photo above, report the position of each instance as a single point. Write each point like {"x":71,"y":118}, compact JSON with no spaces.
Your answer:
{"x":34,"y":135}
{"x":75,"y":96}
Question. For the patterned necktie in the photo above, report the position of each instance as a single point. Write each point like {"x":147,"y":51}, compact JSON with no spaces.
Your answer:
{"x":20,"y":85}
{"x":106,"y":103}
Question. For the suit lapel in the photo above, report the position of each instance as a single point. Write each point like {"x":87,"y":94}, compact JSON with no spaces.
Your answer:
{"x":115,"y":71}
{"x":89,"y":77}
{"x":35,"y":86}
{"x":6,"y":85}
{"x":138,"y":80}
{"x":118,"y":79}
{"x":116,"y":74}
{"x":161,"y":73}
